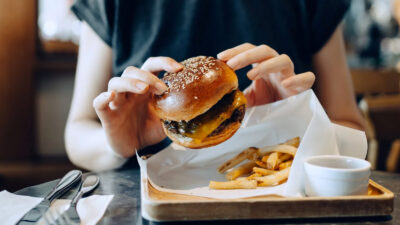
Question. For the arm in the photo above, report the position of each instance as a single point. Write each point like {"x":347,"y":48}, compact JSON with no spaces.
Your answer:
{"x":333,"y":85}
{"x":108,"y":123}
{"x":84,"y":137}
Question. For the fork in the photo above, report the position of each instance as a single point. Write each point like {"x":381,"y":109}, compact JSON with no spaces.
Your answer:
{"x":70,"y":216}
{"x":57,"y":218}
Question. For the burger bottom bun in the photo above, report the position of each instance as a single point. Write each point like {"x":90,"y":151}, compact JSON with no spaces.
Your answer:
{"x":225,"y":134}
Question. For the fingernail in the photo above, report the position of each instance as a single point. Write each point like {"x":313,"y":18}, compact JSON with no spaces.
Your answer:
{"x":161,"y":87}
{"x":233,"y":63}
{"x":178,"y":66}
{"x":222,"y":55}
{"x":140,"y":85}
{"x":252,"y":74}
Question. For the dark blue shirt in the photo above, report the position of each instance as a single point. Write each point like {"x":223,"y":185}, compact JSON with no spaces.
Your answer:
{"x":138,"y":29}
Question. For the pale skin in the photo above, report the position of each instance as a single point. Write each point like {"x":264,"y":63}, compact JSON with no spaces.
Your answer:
{"x":110,"y":118}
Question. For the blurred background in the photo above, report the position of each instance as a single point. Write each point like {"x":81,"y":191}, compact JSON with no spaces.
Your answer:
{"x":39,"y":40}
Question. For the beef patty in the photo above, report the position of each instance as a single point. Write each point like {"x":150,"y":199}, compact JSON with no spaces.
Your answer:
{"x":182,"y":127}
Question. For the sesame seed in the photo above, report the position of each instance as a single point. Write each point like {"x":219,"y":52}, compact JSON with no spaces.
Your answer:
{"x":194,"y":69}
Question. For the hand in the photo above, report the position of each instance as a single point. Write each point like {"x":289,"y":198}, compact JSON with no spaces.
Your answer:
{"x":128,"y":120}
{"x":272,"y":74}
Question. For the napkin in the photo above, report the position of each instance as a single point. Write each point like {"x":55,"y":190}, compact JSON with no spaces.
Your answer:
{"x":185,"y":171}
{"x":13,"y":207}
{"x":90,"y":209}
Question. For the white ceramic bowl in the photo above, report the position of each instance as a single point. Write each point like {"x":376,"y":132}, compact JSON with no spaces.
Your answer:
{"x":334,"y":175}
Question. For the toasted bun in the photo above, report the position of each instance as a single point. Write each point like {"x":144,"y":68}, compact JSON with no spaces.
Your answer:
{"x":195,"y":89}
{"x":225,"y":134}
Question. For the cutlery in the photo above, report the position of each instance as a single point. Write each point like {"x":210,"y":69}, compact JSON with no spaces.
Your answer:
{"x":66,"y":183}
{"x":71,"y":214}
{"x":55,"y":218}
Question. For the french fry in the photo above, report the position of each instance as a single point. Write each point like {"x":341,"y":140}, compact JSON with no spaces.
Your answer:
{"x":234,"y":184}
{"x":254,"y":156}
{"x":288,"y":149}
{"x":295,"y":142}
{"x":273,"y":179}
{"x":272,"y":161}
{"x":247,"y":153}
{"x":283,"y":157}
{"x":262,"y":171}
{"x":241,"y":178}
{"x":265,"y":158}
{"x":243,"y":169}
{"x":270,"y":166}
{"x":285,"y":165}
{"x":282,"y":181}
{"x":261,"y":164}
{"x":251,"y":177}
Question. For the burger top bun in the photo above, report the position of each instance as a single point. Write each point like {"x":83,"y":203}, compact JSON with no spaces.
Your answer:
{"x":195,"y":89}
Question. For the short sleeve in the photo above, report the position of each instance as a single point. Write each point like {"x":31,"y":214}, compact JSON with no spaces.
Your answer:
{"x":324,"y":17}
{"x":98,"y":14}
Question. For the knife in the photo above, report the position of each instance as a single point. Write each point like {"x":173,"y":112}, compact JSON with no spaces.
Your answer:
{"x":66,"y":183}
{"x":89,"y":184}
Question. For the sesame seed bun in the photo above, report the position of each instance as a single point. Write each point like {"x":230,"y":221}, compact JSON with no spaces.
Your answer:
{"x":202,"y":106}
{"x":195,"y":89}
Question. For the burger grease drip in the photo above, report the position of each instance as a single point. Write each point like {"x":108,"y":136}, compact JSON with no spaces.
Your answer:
{"x":230,"y":108}
{"x":194,"y":68}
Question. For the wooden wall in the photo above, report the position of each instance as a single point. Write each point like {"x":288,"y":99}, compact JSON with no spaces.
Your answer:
{"x":17,"y":50}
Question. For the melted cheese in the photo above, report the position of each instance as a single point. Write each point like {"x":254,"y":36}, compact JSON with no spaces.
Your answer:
{"x":207,"y":127}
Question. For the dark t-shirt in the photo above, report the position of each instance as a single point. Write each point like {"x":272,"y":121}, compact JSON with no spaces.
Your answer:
{"x":138,"y":29}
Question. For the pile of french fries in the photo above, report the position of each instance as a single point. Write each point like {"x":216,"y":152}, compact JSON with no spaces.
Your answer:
{"x":265,"y":166}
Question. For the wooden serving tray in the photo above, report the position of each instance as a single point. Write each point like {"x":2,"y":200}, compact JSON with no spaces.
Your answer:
{"x":164,"y":206}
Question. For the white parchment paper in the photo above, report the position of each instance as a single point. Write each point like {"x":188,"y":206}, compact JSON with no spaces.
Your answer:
{"x":186,"y":171}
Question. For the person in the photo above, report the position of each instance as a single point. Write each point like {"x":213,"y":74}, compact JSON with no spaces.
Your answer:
{"x":124,"y":46}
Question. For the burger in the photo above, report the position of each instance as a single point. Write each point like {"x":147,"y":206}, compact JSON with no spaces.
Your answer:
{"x":202,"y":106}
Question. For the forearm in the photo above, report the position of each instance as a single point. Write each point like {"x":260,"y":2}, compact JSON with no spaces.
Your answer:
{"x":351,"y":124}
{"x":87,"y":146}
{"x":334,"y":86}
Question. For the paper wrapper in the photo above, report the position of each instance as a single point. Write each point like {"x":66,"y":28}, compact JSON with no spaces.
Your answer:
{"x":186,"y":171}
